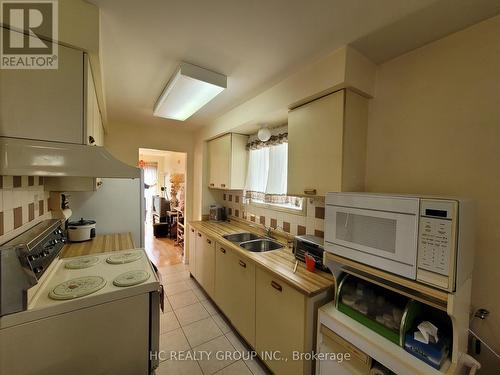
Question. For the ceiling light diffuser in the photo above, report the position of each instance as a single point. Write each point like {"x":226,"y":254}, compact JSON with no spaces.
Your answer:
{"x":190,"y":88}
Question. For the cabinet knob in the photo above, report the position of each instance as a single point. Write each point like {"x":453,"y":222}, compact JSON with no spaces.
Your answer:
{"x":222,"y":250}
{"x":192,"y":230}
{"x":212,"y":184}
{"x":243,"y":264}
{"x":209,"y":242}
{"x":91,"y":140}
{"x":276,"y":286}
{"x":310,"y":191}
{"x":199,"y":234}
{"x":222,"y":185}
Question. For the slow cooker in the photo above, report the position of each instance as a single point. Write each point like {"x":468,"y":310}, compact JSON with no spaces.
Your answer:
{"x":81,"y":230}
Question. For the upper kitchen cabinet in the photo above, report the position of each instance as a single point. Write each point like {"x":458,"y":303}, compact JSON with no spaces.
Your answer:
{"x":44,"y":104}
{"x":227,"y":161}
{"x":94,"y":131}
{"x":56,"y":105}
{"x":327,"y":144}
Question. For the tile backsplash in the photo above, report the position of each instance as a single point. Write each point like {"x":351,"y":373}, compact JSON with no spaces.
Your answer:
{"x":311,"y":223}
{"x":22,"y":201}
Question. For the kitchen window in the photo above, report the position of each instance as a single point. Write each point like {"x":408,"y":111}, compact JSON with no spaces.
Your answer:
{"x":266,"y":182}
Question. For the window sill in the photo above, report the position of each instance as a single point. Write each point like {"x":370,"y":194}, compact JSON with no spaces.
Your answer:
{"x":281,"y":208}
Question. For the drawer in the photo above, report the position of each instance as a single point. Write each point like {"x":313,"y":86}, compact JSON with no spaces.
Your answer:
{"x":359,"y":363}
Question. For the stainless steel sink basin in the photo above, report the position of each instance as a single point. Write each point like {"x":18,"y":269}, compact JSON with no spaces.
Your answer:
{"x":241,"y":237}
{"x":261,"y":245}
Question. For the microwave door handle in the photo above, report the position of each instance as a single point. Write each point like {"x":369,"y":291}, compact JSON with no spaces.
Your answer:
{"x":346,"y":224}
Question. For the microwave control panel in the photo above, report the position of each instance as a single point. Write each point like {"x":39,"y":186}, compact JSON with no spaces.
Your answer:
{"x":436,"y":242}
{"x":434,"y":248}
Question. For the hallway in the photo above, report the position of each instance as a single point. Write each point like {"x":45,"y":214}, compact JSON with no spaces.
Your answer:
{"x":161,"y":251}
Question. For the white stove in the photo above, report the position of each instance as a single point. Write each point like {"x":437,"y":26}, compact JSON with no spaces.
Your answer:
{"x":68,"y":269}
{"x":75,"y":316}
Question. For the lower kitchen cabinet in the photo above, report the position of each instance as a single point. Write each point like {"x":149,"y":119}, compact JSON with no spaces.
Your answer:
{"x":269,"y":313}
{"x":280,"y":323}
{"x":235,"y":290}
{"x":205,"y":262}
{"x":191,"y":250}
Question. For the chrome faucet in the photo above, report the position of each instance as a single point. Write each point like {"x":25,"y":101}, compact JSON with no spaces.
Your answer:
{"x":268,"y":230}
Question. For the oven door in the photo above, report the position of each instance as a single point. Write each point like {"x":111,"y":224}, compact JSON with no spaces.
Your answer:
{"x":383,"y":239}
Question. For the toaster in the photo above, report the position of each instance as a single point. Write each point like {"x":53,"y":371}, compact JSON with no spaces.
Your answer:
{"x":217,"y":213}
{"x":313,"y":246}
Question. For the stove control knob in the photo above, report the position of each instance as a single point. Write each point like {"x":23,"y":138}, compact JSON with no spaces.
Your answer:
{"x":55,"y":242}
{"x":38,"y":269}
{"x":32,"y":257}
{"x":46,"y":253}
{"x":63,"y":240}
{"x":58,"y":231}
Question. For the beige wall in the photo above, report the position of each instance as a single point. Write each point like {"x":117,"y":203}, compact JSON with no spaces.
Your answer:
{"x":318,"y":77}
{"x":124,"y":141}
{"x":434,"y":128}
{"x":271,"y":106}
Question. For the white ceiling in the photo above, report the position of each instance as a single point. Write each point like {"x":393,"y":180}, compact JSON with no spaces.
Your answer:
{"x":255,"y":43}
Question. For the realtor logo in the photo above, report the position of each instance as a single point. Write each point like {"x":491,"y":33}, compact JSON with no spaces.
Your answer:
{"x":28,"y":27}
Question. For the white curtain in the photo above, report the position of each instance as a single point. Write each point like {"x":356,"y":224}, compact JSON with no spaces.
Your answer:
{"x":150,"y":179}
{"x":278,"y":168}
{"x":258,"y":167}
{"x":150,"y":174}
{"x":267,"y":170}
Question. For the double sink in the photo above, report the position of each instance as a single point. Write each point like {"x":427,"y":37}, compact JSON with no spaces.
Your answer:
{"x":252,"y":242}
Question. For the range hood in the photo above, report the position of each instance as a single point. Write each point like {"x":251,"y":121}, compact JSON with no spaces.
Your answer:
{"x":23,"y":157}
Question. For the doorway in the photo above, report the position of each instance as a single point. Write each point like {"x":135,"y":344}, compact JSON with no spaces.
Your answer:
{"x":164,"y":199}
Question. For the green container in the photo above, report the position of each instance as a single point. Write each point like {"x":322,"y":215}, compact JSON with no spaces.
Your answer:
{"x":408,"y":308}
{"x":372,"y":324}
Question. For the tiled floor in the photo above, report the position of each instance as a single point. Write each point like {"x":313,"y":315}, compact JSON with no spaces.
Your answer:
{"x":192,"y":325}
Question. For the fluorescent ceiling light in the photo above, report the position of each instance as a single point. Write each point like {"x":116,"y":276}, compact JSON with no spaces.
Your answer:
{"x":188,"y":90}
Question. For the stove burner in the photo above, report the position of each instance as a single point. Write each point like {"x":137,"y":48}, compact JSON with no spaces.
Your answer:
{"x":122,"y":258}
{"x":79,"y":287}
{"x":131,"y":278}
{"x":80,"y":263}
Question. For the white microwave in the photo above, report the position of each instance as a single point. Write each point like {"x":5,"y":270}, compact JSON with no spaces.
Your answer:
{"x":429,"y":240}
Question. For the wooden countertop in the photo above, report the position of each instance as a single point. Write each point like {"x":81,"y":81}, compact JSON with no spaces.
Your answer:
{"x":280,"y":262}
{"x":100,"y":244}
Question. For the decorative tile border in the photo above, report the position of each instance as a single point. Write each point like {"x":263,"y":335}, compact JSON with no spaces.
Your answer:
{"x":312,"y":223}
{"x":22,"y":200}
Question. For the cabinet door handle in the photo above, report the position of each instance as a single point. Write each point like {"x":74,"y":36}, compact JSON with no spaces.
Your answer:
{"x":91,"y":140}
{"x":199,"y":234}
{"x":276,"y":286}
{"x":209,"y":242}
{"x":192,"y":230}
{"x":310,"y":191}
{"x":243,"y":264}
{"x":222,"y":250}
{"x":222,"y":185}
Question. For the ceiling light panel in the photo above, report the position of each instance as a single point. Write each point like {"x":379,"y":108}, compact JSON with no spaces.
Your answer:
{"x":188,"y":90}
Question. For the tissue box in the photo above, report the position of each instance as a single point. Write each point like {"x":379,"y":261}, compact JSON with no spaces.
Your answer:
{"x":432,"y":354}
